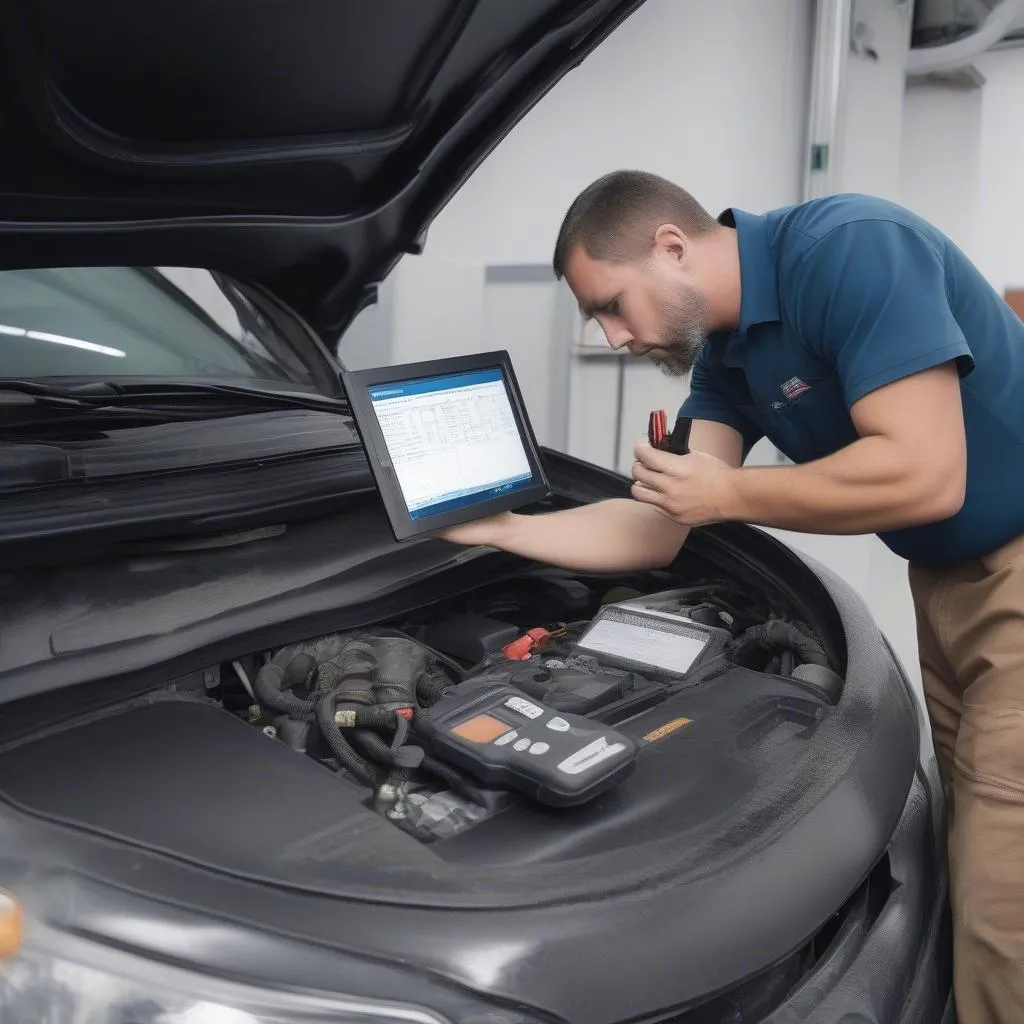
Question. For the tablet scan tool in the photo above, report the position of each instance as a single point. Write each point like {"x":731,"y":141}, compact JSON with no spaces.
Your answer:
{"x":447,"y":440}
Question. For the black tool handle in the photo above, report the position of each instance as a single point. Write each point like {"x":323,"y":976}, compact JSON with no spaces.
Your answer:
{"x":678,"y":442}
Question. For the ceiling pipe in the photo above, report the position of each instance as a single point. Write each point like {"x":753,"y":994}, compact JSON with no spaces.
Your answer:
{"x":930,"y":60}
{"x":828,"y":83}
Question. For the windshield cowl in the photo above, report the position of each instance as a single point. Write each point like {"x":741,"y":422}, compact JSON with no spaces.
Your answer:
{"x":62,"y":455}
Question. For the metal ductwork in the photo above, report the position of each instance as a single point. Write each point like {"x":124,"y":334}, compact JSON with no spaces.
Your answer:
{"x":828,"y":81}
{"x":949,"y":35}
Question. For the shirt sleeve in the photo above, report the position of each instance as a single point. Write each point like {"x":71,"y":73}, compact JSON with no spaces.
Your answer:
{"x":707,"y":401}
{"x":870,"y":297}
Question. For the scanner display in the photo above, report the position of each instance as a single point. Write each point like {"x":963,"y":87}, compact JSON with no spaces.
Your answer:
{"x":453,"y":440}
{"x":447,"y":440}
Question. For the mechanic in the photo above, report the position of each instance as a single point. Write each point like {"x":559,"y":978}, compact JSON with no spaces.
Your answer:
{"x":871,"y":352}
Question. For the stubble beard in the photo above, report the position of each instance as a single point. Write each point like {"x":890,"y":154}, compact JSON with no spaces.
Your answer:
{"x":685,"y":318}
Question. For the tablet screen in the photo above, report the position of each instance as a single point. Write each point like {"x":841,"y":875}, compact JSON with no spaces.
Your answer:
{"x":453,"y":440}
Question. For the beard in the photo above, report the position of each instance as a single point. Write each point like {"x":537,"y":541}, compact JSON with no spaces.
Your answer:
{"x":684,"y":314}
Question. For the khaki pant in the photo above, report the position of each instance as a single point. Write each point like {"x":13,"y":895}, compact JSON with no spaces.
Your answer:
{"x":970,"y":623}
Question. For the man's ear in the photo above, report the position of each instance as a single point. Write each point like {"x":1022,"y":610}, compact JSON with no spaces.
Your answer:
{"x":670,"y":241}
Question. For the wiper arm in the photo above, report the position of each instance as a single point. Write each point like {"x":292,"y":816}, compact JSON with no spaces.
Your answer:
{"x":95,"y":395}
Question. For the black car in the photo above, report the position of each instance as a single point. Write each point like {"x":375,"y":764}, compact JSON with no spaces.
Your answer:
{"x":216,"y":806}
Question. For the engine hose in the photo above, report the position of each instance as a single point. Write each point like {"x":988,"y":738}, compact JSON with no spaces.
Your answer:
{"x":431,"y":687}
{"x":274,"y":681}
{"x":350,"y":674}
{"x":340,"y":747}
{"x":376,"y":748}
{"x":366,"y":718}
{"x":783,"y":635}
{"x":451,"y":777}
{"x":373,"y":746}
{"x":299,"y":671}
{"x":393,"y":695}
{"x":395,"y":756}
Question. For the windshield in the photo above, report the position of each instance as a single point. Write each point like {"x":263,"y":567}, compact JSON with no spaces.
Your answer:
{"x":156,"y":322}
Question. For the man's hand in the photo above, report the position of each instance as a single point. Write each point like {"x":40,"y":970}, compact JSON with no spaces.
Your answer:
{"x":691,"y":489}
{"x":908,"y":467}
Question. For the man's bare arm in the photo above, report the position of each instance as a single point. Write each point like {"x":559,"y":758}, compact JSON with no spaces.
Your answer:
{"x":909,"y":467}
{"x":608,"y":536}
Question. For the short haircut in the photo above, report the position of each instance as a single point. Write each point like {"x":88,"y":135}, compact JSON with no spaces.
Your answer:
{"x":615,"y":218}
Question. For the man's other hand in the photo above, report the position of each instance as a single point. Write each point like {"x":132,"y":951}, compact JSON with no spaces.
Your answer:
{"x":691,"y":489}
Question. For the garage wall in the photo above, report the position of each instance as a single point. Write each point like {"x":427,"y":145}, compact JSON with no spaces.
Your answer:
{"x":712,"y":95}
{"x":873,"y":119}
{"x":963,"y":163}
{"x":940,"y":162}
{"x":999,"y":243}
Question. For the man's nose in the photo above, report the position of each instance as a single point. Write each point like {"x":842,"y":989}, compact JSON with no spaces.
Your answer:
{"x":618,"y":337}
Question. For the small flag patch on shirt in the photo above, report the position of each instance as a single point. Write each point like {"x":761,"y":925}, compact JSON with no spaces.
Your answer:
{"x":794,"y":388}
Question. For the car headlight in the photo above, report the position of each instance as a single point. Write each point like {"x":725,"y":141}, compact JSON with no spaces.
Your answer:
{"x":49,"y":977}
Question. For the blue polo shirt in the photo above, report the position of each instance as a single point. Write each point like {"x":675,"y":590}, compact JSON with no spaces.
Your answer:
{"x":844,"y":295}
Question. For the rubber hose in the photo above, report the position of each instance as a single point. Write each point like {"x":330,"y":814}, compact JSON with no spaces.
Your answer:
{"x":784,"y":634}
{"x":450,"y":776}
{"x":298,"y":672}
{"x":393,"y":695}
{"x":343,"y":752}
{"x":431,"y":687}
{"x":269,"y":686}
{"x":373,"y":745}
{"x":376,"y":718}
{"x":350,"y":675}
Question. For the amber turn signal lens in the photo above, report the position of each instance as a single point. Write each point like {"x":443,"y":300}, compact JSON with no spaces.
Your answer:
{"x":10,"y":925}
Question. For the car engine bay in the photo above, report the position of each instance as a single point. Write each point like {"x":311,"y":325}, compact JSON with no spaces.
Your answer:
{"x":573,"y":650}
{"x":680,"y":733}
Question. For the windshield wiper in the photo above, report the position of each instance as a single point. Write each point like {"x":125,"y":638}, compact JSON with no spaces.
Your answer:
{"x":108,"y":396}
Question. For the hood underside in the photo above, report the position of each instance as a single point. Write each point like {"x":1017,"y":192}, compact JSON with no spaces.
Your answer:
{"x":303,"y":146}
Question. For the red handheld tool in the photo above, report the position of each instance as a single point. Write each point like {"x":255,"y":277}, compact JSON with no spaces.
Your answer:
{"x":657,"y":429}
{"x":677,"y":442}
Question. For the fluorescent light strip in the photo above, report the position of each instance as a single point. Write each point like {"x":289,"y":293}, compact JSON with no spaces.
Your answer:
{"x":59,"y":339}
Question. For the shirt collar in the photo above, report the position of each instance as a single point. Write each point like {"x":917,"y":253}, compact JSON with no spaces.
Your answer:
{"x":759,"y":286}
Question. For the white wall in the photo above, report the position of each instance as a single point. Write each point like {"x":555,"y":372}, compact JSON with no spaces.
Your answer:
{"x":941,"y":158}
{"x":963,"y":164}
{"x":998,"y":246}
{"x":873,"y":116}
{"x":712,"y":95}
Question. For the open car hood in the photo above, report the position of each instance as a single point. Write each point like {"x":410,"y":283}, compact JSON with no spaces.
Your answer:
{"x":302,"y":146}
